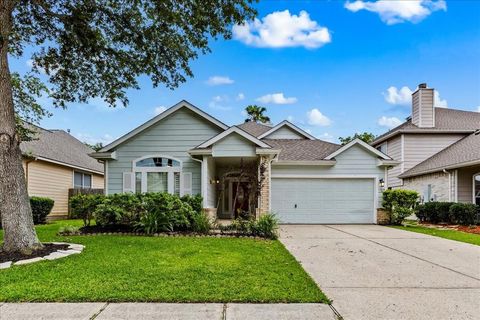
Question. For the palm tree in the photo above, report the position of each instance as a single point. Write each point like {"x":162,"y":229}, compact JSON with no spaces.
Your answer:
{"x":255,"y":114}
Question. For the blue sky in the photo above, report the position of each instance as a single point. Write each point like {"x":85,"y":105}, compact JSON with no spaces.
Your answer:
{"x":332,"y":67}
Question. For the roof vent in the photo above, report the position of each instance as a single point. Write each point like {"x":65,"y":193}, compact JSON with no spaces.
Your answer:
{"x":422,"y":86}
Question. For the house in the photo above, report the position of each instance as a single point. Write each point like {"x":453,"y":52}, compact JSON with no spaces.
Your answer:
{"x":438,"y":150}
{"x":54,"y":162}
{"x":302,"y":179}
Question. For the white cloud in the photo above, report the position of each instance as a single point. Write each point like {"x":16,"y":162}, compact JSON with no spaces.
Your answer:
{"x":398,"y":97}
{"x":159,"y":110}
{"x":316,"y":118}
{"x":290,"y":119}
{"x":389,"y":122}
{"x":218,"y":103}
{"x":91,"y":139}
{"x":276,"y":98}
{"x":240,"y":97}
{"x":393,"y":12}
{"x":281,"y":29}
{"x":327,"y":137}
{"x":31,"y":65}
{"x":478,"y":109}
{"x":438,"y":102}
{"x":219,"y":80}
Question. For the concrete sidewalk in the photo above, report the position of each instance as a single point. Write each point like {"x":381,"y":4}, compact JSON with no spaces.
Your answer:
{"x":160,"y":311}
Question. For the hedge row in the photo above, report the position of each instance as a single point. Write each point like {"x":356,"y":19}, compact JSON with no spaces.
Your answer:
{"x":449,"y":212}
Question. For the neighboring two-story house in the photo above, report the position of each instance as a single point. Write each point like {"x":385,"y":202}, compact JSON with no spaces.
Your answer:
{"x":438,"y":150}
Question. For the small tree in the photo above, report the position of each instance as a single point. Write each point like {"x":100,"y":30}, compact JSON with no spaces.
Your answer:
{"x":366,"y":137}
{"x":399,"y":204}
{"x":256,"y":114}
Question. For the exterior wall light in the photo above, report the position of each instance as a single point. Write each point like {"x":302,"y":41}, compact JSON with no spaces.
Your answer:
{"x":382,"y":183}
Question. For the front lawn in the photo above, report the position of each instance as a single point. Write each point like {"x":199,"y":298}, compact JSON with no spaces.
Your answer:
{"x":447,"y":234}
{"x":180,"y":269}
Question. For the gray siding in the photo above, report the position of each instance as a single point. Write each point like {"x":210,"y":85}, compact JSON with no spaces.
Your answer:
{"x":234,"y":145}
{"x":423,"y":114}
{"x":355,"y":161}
{"x":211,"y":188}
{"x":419,"y":147}
{"x":465,"y":184}
{"x":172,"y":136}
{"x":394,"y":150}
{"x":285,"y":133}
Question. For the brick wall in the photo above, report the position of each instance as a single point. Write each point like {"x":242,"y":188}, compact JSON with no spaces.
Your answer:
{"x":264,"y":203}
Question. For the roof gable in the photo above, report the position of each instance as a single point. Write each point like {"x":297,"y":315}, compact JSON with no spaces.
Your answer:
{"x":230,"y":131}
{"x":156,"y":119}
{"x":361,"y":143}
{"x":289,"y":126}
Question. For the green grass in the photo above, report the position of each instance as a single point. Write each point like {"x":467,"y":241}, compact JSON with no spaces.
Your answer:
{"x":447,"y":234}
{"x":180,"y":269}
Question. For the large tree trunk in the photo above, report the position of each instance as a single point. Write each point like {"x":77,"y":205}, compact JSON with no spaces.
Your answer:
{"x":17,"y":220}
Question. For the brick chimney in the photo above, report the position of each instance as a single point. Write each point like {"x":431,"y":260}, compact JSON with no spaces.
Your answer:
{"x":423,"y":112}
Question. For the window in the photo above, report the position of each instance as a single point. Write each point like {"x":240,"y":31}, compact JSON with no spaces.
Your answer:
{"x":382,"y":148}
{"x":82,"y":180}
{"x":157,"y":174}
{"x":476,"y":189}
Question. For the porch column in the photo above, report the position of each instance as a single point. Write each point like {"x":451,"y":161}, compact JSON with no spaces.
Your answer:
{"x":264,"y":201}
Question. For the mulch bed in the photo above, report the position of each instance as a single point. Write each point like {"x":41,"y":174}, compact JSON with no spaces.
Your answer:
{"x":467,"y":229}
{"x":45,"y":251}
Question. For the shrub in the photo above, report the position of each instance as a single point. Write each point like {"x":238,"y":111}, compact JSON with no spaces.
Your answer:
{"x":131,"y":206}
{"x":41,"y":208}
{"x":394,"y":199}
{"x":108,"y":213}
{"x":196,"y":202}
{"x":179,"y":214}
{"x":399,"y":214}
{"x":69,"y":231}
{"x":463,"y":213}
{"x":82,"y":206}
{"x":266,"y":226}
{"x":201,"y":223}
{"x":153,"y":222}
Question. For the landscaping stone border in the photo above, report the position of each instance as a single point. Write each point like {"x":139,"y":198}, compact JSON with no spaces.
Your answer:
{"x":73,"y":248}
{"x":211,"y":234}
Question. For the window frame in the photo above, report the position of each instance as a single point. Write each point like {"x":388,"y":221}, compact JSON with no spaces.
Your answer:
{"x":169,"y":170}
{"x":474,"y":182}
{"x":83,"y":180}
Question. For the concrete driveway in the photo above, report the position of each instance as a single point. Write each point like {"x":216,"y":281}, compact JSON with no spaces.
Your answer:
{"x":375,"y":272}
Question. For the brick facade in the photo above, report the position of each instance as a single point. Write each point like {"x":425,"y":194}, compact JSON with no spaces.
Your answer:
{"x":264,"y":201}
{"x":439,"y":182}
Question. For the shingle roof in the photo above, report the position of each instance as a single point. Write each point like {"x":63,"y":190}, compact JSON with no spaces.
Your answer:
{"x":445,"y":120}
{"x":60,"y":146}
{"x":253,"y":128}
{"x":461,"y":153}
{"x":302,"y":150}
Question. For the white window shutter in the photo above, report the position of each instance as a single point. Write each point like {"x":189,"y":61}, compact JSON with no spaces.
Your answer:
{"x":186,"y":183}
{"x":128,"y":182}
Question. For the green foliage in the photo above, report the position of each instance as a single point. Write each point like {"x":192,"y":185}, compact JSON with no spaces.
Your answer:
{"x":195,"y":201}
{"x":266,"y":226}
{"x":91,"y":49}
{"x":463,"y":213}
{"x":41,"y":208}
{"x":448,"y":212}
{"x":82,"y":206}
{"x":399,"y":203}
{"x":69,"y":231}
{"x":154,"y":221}
{"x":108,"y":213}
{"x":201,"y":223}
{"x":97,"y":146}
{"x":434,"y":212}
{"x":256,"y":114}
{"x":366,"y":137}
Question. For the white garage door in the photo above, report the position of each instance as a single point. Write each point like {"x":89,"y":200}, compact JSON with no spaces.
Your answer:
{"x":306,"y":200}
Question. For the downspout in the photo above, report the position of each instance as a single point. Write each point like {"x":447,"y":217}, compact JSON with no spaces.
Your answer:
{"x":449,"y":184}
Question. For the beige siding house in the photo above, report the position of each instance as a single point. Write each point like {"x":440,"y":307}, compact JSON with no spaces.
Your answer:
{"x":54,"y":162}
{"x":438,"y":150}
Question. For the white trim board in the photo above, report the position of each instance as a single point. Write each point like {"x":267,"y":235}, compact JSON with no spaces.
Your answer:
{"x":238,"y":131}
{"x":361,"y":143}
{"x":291,"y":126}
{"x":151,"y":122}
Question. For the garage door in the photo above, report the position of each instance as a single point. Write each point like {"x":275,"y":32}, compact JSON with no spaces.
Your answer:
{"x":305,"y":200}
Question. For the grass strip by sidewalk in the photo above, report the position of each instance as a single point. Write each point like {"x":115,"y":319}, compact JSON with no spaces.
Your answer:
{"x":161,"y":269}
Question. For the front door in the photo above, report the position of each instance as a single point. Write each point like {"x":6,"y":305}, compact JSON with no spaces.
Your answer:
{"x":235,"y":197}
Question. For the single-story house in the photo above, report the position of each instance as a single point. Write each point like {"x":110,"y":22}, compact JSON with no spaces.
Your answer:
{"x":438,"y":150}
{"x":54,"y":162}
{"x":302,"y":179}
